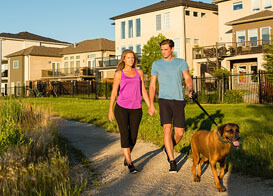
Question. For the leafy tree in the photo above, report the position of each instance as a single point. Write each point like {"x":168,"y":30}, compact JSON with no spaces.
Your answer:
{"x":268,"y":57}
{"x":151,"y":52}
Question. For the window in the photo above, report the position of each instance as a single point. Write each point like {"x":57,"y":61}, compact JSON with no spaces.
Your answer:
{"x":123,"y":30}
{"x":240,"y":38}
{"x":255,"y":5}
{"x":237,"y":6}
{"x":195,"y":14}
{"x":138,"y":50}
{"x":91,"y":66}
{"x":254,"y":73}
{"x":187,"y":12}
{"x":267,"y":4}
{"x":18,"y":88}
{"x":253,"y":37}
{"x":196,"y":42}
{"x":158,"y":22}
{"x":15,"y":64}
{"x":265,"y":32}
{"x":167,"y":20}
{"x":78,"y":65}
{"x":242,"y":74}
{"x":188,"y":40}
{"x":131,"y":48}
{"x":138,"y":28}
{"x":72,"y":57}
{"x":78,"y":57}
{"x":130,"y":29}
{"x":91,"y":56}
{"x":55,"y":68}
{"x":177,"y":47}
{"x":65,"y":67}
{"x":203,"y":15}
{"x":71,"y":66}
{"x":65,"y":58}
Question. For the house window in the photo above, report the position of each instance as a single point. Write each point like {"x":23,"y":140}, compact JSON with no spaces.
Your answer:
{"x":254,"y":73}
{"x":72,"y":57}
{"x":66,"y":58}
{"x":122,"y":49}
{"x":265,"y":32}
{"x":177,"y":47}
{"x":18,"y":88}
{"x":158,"y":22}
{"x":138,"y":50}
{"x":253,"y":37}
{"x":242,"y":74}
{"x":255,"y":5}
{"x":78,"y":65}
{"x":65,"y":67}
{"x":130,"y":29}
{"x":203,"y":15}
{"x":187,"y":12}
{"x":78,"y":57}
{"x":167,"y":20}
{"x":131,"y":48}
{"x":71,"y":66}
{"x":241,"y":38}
{"x":123,"y":30}
{"x":55,"y":68}
{"x":91,"y":56}
{"x":15,"y":64}
{"x":196,"y":42}
{"x":138,"y":28}
{"x":195,"y":14}
{"x":188,"y":40}
{"x":237,"y":6}
{"x":267,"y":4}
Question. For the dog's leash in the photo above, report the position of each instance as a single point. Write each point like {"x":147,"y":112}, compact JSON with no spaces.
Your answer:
{"x":194,"y":98}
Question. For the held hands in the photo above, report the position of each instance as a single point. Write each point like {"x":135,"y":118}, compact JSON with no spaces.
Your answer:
{"x":110,"y":116}
{"x":152,"y":110}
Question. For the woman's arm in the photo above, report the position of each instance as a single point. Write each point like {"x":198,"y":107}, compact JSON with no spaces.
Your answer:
{"x":144,"y":91}
{"x":114,"y":93}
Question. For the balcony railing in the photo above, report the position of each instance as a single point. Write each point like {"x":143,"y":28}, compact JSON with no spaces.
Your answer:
{"x":230,"y":49}
{"x":68,"y":72}
{"x":111,"y":60}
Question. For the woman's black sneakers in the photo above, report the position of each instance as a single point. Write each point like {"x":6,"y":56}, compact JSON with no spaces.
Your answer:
{"x":132,"y":168}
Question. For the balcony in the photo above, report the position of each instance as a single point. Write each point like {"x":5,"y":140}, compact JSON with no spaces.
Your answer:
{"x":4,"y":74}
{"x":68,"y":72}
{"x":228,"y":49}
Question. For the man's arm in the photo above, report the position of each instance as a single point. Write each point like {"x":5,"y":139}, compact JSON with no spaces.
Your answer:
{"x":152,"y":88}
{"x":188,"y":81}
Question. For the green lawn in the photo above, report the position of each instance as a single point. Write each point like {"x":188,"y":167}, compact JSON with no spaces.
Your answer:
{"x":254,"y":156}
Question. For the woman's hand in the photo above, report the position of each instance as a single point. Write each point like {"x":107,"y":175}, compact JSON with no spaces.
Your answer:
{"x":111,"y":116}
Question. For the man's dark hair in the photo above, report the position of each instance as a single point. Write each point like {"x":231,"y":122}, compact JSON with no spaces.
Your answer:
{"x":167,"y":41}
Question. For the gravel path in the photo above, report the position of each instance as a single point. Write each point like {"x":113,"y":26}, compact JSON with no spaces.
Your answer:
{"x":103,"y":150}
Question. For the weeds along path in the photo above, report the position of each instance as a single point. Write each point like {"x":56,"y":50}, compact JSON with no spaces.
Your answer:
{"x":103,"y":150}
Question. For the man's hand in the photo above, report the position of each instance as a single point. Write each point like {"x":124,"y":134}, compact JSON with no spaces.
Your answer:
{"x":152,"y":110}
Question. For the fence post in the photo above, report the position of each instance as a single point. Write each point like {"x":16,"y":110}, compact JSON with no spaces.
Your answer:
{"x":196,"y":90}
{"x":73,"y":88}
{"x":260,"y":88}
{"x":88,"y":85}
{"x":96,"y":89}
{"x":106,"y":90}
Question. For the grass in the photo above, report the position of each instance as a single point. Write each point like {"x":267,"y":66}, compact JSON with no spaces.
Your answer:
{"x":253,"y":157}
{"x":30,"y":160}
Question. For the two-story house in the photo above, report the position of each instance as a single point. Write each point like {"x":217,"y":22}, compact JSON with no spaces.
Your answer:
{"x":188,"y":23}
{"x":11,"y":43}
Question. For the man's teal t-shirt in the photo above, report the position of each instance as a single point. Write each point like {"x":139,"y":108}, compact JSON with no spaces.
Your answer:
{"x":170,"y":77}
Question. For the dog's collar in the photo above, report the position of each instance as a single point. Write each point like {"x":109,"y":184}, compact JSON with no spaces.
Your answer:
{"x":220,"y":138}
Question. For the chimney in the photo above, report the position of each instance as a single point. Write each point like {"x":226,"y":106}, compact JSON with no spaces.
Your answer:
{"x":75,"y":44}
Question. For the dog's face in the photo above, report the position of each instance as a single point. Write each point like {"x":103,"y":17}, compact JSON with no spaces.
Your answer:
{"x":230,"y":132}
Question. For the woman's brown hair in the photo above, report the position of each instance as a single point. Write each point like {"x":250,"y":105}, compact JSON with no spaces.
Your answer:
{"x":121,"y":63}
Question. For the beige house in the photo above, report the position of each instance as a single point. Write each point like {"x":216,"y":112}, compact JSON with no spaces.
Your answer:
{"x":11,"y":43}
{"x":188,"y":23}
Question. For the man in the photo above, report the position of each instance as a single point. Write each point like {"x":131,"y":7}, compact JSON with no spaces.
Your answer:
{"x":170,"y":71}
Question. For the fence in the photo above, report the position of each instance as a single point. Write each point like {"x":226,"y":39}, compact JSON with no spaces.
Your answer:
{"x":242,"y":88}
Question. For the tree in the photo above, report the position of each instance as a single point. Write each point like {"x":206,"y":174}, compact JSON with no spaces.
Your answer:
{"x":268,"y":57}
{"x":151,"y":52}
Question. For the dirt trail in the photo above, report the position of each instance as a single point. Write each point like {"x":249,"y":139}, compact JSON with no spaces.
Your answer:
{"x":103,"y":149}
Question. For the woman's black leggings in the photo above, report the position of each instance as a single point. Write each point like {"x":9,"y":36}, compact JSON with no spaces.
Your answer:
{"x":128,"y":123}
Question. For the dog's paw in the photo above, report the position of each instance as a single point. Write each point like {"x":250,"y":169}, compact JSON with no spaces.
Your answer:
{"x":222,"y":189}
{"x":196,"y":179}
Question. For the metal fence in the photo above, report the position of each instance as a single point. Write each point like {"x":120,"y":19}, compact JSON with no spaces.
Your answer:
{"x":241,"y":88}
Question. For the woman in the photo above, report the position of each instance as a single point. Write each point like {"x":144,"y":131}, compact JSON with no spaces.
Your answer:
{"x":128,"y":109}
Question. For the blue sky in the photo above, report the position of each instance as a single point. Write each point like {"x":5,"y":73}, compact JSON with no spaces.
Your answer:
{"x":66,"y":20}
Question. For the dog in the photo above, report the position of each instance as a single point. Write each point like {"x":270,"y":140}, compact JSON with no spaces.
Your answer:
{"x":214,"y":146}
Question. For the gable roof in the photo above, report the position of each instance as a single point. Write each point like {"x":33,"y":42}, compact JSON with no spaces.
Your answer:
{"x":263,"y":15}
{"x":218,"y":1}
{"x":38,"y":51}
{"x":30,"y":36}
{"x":90,"y":46}
{"x":167,"y":4}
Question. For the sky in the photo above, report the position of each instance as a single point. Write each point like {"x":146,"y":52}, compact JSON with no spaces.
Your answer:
{"x":66,"y":20}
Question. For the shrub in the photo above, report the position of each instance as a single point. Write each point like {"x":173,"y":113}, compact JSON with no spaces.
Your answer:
{"x":233,"y":96}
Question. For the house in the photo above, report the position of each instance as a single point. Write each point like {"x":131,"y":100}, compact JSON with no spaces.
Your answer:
{"x":10,"y":43}
{"x":188,"y":23}
{"x":244,"y":30}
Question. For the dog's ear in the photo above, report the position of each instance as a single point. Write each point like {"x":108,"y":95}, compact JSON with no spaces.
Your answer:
{"x":221,"y":129}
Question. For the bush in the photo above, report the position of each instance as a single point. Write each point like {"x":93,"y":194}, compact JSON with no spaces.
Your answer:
{"x":233,"y":96}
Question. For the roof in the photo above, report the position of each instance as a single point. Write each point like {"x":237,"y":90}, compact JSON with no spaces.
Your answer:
{"x":93,"y":45}
{"x":30,"y":36}
{"x":38,"y":51}
{"x":263,"y":15}
{"x":168,"y":4}
{"x":218,"y":1}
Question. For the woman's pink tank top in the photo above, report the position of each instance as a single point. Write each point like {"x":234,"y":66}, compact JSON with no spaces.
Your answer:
{"x":130,"y":91}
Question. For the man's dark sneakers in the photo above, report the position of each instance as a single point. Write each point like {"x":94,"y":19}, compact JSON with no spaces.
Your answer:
{"x":173,"y":167}
{"x":164,"y":150}
{"x":132,"y":168}
{"x":125,"y":163}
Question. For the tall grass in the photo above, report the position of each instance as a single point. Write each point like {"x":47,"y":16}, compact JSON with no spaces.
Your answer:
{"x":254,"y":156}
{"x":30,"y":160}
